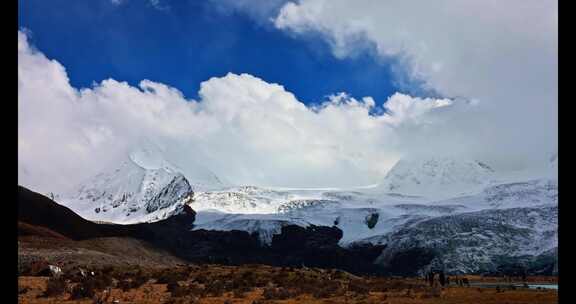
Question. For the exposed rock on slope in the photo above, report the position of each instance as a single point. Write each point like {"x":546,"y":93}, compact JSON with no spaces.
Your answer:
{"x":131,"y":194}
{"x":476,"y":241}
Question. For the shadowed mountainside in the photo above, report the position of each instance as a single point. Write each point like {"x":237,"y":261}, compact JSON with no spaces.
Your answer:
{"x":295,"y":246}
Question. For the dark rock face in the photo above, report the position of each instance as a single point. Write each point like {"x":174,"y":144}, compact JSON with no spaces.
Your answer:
{"x":183,"y":217}
{"x":299,"y":238}
{"x":177,"y":190}
{"x":372,"y":219}
{"x":410,"y":261}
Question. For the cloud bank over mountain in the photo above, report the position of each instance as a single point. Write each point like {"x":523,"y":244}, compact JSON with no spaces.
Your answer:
{"x":244,"y":129}
{"x":497,"y":61}
{"x":500,"y":54}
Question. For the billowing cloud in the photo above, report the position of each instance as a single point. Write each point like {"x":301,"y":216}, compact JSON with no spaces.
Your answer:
{"x":502,"y":54}
{"x":244,"y":129}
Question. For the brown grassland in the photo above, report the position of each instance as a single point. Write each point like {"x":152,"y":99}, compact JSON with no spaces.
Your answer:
{"x":258,"y":284}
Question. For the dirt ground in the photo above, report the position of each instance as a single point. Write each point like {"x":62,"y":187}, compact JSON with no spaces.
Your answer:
{"x":257,"y":284}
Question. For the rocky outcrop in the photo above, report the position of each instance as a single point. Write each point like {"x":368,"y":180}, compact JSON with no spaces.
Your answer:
{"x":177,"y":191}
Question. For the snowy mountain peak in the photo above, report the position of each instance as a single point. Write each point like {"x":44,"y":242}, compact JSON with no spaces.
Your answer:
{"x":437,"y":177}
{"x":154,"y":154}
{"x":149,"y":158}
{"x":130,"y":193}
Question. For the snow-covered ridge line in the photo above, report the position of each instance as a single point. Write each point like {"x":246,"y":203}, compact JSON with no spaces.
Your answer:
{"x":147,"y":187}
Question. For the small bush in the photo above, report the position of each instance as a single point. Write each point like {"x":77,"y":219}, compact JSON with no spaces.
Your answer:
{"x":327,"y":290}
{"x":170,"y":276}
{"x":22,"y":289}
{"x":55,"y":287}
{"x":139,"y":280}
{"x":101,"y":282}
{"x":238,"y":293}
{"x":132,"y":283}
{"x":184,"y":300}
{"x":358,"y":288}
{"x":200,"y":279}
{"x":215,"y":288}
{"x":83,"y":290}
{"x":279,"y":293}
{"x":177,"y":290}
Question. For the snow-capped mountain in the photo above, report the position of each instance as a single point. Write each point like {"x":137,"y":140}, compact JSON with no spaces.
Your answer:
{"x":437,"y":177}
{"x":453,"y":198}
{"x":130,"y":193}
{"x":351,"y":211}
{"x":144,"y":187}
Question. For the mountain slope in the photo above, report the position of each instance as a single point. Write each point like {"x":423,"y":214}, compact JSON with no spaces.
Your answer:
{"x":37,"y":210}
{"x":437,"y":177}
{"x":45,"y":227}
{"x":477,"y":241}
{"x":54,"y":234}
{"x":130,"y":193}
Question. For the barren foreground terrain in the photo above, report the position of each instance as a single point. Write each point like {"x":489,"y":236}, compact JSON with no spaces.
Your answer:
{"x":260,"y":284}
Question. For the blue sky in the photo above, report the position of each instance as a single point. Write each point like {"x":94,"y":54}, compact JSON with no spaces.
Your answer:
{"x":189,"y":43}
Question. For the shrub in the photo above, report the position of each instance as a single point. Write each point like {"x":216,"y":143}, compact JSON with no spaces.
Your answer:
{"x":88,"y":287}
{"x":132,"y":283}
{"x":279,"y":293}
{"x":55,"y":287}
{"x":125,"y":285}
{"x":101,"y":282}
{"x":22,"y":289}
{"x":184,"y":300}
{"x":358,"y":288}
{"x":200,"y":279}
{"x":169,"y":276}
{"x":239,"y":293}
{"x":177,"y":290}
{"x":327,"y":290}
{"x":83,"y":290}
{"x":215,"y":288}
{"x":138,"y":280}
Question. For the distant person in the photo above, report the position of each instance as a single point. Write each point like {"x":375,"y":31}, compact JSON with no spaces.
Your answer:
{"x":465,"y":282}
{"x":431,"y":279}
{"x":442,"y":278}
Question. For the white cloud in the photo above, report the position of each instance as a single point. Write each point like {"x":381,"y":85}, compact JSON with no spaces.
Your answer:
{"x":246,"y":130}
{"x":157,"y":4}
{"x":502,"y":54}
{"x":259,"y":10}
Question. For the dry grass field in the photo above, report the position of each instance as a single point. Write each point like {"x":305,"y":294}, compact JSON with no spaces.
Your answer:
{"x":260,"y":284}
